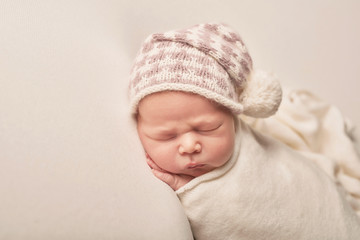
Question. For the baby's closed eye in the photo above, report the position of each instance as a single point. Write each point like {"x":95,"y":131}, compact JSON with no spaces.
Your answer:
{"x":209,"y":128}
{"x":162,"y":136}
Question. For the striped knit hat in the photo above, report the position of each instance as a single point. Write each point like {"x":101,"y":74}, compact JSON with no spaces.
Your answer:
{"x":207,"y":59}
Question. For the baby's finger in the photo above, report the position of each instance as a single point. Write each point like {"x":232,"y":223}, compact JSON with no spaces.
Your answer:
{"x":167,"y":178}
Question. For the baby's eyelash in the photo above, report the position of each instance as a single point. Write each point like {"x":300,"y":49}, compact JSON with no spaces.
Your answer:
{"x":167,"y":138}
{"x":209,"y":130}
{"x":170,"y":138}
{"x":157,"y":137}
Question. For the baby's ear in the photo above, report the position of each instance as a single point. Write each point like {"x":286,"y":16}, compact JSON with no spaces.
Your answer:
{"x":261,"y":96}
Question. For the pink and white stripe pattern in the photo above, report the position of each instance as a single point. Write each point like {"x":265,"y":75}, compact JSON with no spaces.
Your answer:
{"x":208,"y":59}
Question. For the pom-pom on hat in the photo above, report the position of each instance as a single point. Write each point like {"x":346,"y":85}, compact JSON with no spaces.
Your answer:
{"x":207,"y":59}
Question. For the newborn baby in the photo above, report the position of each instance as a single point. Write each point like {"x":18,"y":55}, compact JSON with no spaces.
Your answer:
{"x":187,"y":90}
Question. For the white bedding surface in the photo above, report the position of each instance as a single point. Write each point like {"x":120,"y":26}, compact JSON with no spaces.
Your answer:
{"x":71,"y":165}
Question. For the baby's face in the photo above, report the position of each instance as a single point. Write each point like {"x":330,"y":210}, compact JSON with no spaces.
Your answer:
{"x":185,"y":133}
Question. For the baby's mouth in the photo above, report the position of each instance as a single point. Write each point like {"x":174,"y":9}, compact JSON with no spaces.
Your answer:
{"x":194,"y":165}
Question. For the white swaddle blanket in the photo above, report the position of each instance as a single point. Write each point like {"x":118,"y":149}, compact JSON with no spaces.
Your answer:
{"x":319,"y":131}
{"x":267,"y":191}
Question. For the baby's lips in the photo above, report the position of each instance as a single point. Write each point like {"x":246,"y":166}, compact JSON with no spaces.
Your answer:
{"x":195,"y":165}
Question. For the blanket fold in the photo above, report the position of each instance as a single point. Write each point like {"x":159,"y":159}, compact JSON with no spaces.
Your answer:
{"x":319,"y":131}
{"x":269,"y":191}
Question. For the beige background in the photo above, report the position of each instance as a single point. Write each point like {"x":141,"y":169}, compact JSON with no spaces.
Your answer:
{"x":71,"y":165}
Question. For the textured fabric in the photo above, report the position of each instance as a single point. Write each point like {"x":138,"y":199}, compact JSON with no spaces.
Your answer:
{"x":319,"y":131}
{"x":207,"y":59}
{"x":267,"y":191}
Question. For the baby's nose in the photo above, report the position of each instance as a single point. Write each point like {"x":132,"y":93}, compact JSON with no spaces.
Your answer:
{"x":189,"y":144}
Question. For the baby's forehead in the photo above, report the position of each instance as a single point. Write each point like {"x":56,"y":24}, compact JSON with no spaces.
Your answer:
{"x":176,"y":106}
{"x":181,"y":96}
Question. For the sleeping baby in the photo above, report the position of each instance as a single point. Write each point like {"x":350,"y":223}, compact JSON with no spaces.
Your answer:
{"x":187,"y":89}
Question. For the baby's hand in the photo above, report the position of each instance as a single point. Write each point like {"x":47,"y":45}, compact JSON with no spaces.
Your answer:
{"x":175,"y":181}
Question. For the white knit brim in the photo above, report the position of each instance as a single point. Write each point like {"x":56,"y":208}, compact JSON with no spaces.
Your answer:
{"x":235,"y":107}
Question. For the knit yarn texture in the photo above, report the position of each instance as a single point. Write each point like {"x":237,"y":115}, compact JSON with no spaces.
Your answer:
{"x":207,"y":59}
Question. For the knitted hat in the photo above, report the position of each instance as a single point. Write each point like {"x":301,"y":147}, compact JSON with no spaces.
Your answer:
{"x":207,"y":59}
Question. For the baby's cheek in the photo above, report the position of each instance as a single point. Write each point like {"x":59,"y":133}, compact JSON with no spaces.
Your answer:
{"x":162,"y":156}
{"x":151,"y":149}
{"x":223,"y":151}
